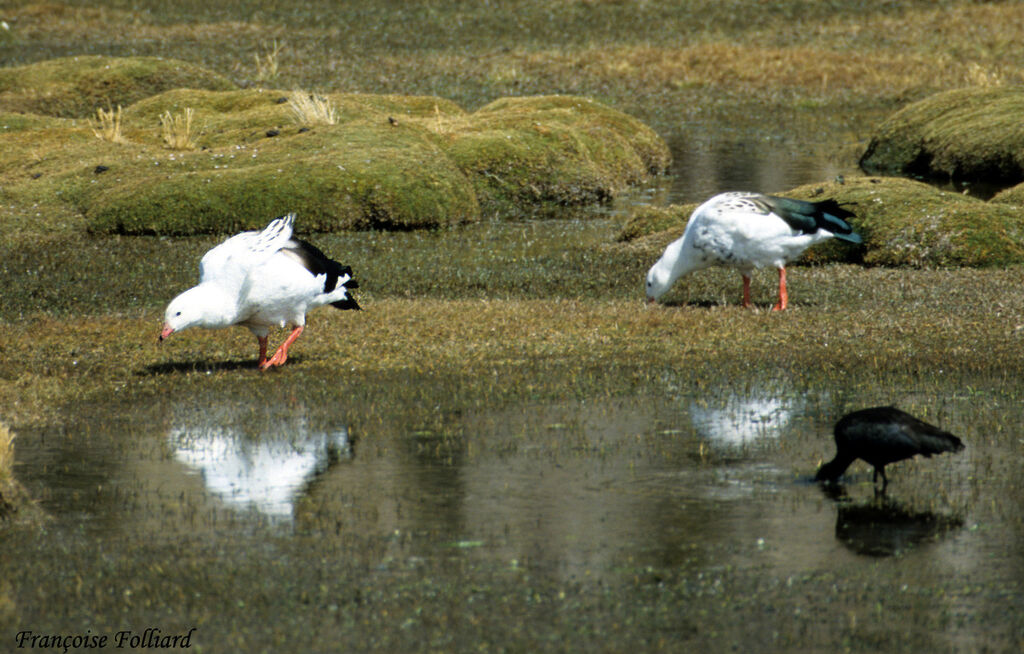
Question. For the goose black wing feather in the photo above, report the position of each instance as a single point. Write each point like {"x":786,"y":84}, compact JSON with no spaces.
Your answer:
{"x":318,"y":263}
{"x":809,"y":217}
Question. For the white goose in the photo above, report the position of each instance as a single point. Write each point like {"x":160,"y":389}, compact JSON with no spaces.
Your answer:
{"x":261,"y":280}
{"x":747,"y":231}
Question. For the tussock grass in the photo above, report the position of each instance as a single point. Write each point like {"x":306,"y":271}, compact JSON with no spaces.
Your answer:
{"x":978,"y":75}
{"x":108,"y":125}
{"x":442,"y":124}
{"x":177,"y":129}
{"x":311,"y":109}
{"x":267,"y":67}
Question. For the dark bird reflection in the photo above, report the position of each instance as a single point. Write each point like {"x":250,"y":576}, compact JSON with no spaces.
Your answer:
{"x":883,"y":527}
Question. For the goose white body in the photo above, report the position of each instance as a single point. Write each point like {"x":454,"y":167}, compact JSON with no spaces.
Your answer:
{"x":261,"y":280}
{"x":747,"y":231}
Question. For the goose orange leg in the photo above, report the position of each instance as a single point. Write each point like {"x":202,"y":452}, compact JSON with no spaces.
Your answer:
{"x":783,"y":294}
{"x":746,"y":291}
{"x":282,"y":352}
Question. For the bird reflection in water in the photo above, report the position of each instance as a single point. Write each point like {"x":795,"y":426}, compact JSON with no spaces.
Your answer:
{"x":885,"y":527}
{"x":267,"y":471}
{"x":742,"y":420}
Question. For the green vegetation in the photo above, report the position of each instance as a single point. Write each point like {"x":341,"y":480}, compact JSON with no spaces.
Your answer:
{"x":973,"y":134}
{"x":198,"y":161}
{"x":1012,"y":195}
{"x":75,"y":87}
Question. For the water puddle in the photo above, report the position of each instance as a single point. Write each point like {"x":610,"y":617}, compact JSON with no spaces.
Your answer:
{"x":580,"y":487}
{"x":602,"y":491}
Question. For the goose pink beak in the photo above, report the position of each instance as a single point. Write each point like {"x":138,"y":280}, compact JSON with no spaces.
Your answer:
{"x":165,"y":332}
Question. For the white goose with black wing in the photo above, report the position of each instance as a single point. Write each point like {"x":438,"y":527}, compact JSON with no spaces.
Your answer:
{"x":747,"y":231}
{"x":262,"y":280}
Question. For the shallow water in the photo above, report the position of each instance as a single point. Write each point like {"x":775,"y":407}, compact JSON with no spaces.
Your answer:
{"x":241,"y":497}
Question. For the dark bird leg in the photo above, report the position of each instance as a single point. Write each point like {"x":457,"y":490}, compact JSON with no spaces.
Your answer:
{"x":885,"y":480}
{"x":282,"y":352}
{"x":746,"y":291}
{"x":783,"y":293}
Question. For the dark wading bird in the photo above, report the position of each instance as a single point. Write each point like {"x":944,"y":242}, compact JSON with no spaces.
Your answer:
{"x":883,"y":435}
{"x":748,"y":231}
{"x":262,"y":280}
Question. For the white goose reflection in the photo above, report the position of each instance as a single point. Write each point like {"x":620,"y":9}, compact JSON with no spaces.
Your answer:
{"x":742,"y":420}
{"x":256,"y":464}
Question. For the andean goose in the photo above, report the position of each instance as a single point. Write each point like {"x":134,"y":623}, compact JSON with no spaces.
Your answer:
{"x":748,"y":231}
{"x":261,"y":280}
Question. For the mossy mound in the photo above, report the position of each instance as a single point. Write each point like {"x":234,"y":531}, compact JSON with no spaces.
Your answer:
{"x":902,"y":222}
{"x":1012,"y":195}
{"x":388,"y":161}
{"x":356,"y":176}
{"x":536,"y":153}
{"x":74,"y":87}
{"x":971,"y":135}
{"x":352,"y":177}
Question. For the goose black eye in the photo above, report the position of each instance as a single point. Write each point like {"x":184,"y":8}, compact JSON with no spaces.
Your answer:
{"x":177,"y":314}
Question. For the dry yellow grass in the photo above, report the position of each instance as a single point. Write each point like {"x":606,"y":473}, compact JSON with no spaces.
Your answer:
{"x":177,"y":130}
{"x":729,"y":64}
{"x":108,"y":125}
{"x":945,"y":47}
{"x":6,"y":451}
{"x":311,"y":109}
{"x":267,"y":68}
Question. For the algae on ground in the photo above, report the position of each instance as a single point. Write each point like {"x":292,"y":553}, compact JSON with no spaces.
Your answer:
{"x":973,"y":135}
{"x":902,"y":222}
